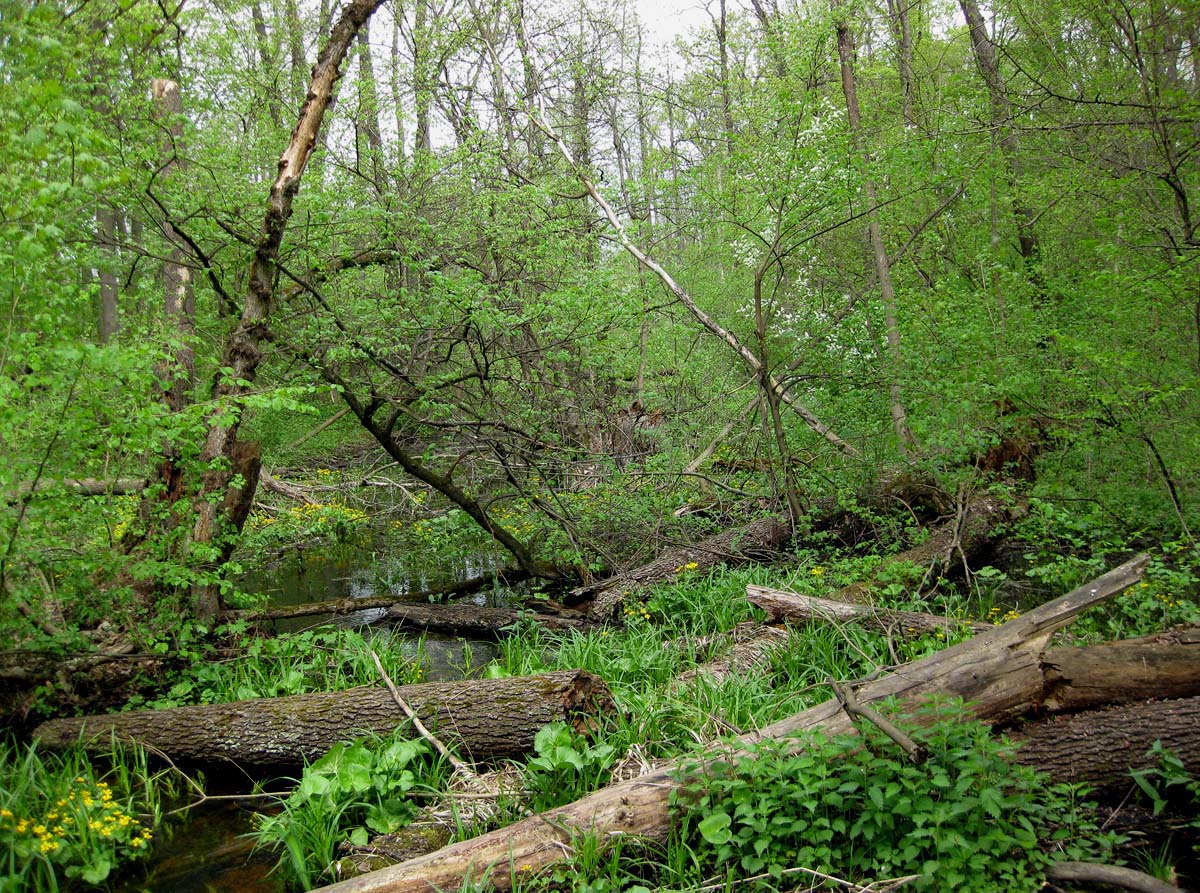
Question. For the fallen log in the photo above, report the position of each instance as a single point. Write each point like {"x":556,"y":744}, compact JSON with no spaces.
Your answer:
{"x":998,"y":673}
{"x":342,"y":606}
{"x":756,"y":540}
{"x":488,"y":719}
{"x":1166,"y":665}
{"x":1099,"y":747}
{"x":793,"y":607}
{"x":754,"y":645}
{"x":957,"y":541}
{"x":474,"y":621}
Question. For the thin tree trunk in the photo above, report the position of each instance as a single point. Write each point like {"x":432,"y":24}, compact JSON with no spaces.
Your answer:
{"x":898,"y":13}
{"x":883,"y":269}
{"x":1002,"y":125}
{"x":221,"y":497}
{"x":110,"y":322}
{"x":179,"y":300}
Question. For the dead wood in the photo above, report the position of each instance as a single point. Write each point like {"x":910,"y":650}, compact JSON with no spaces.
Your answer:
{"x":795,"y":608}
{"x":753,"y":647}
{"x":1100,"y":746}
{"x":1108,"y":875}
{"x":756,"y":540}
{"x":951,"y":545}
{"x":1166,"y":665}
{"x":488,"y":719}
{"x":998,"y":673}
{"x":477,"y":622}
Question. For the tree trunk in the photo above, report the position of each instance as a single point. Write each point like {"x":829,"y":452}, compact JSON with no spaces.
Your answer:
{"x":956,"y":541}
{"x":1006,"y":136}
{"x":1166,"y":665}
{"x":883,"y":269}
{"x":474,"y":621}
{"x":795,"y":608}
{"x":220,"y":499}
{"x":1100,"y":747}
{"x":997,"y":673}
{"x":758,"y":539}
{"x":754,"y":646}
{"x":487,"y":719}
{"x":110,"y":320}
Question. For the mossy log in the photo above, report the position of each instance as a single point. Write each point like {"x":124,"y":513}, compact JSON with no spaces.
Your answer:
{"x":487,"y":719}
{"x":998,"y":673}
{"x":756,"y":540}
{"x":795,"y":608}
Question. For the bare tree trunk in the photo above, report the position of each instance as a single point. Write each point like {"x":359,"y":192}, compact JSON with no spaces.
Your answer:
{"x":110,"y":322}
{"x":898,"y":13}
{"x":367,"y":122}
{"x":883,"y":269}
{"x":178,"y":296}
{"x":423,"y":77}
{"x":221,"y":497}
{"x":1002,"y":126}
{"x":266,"y":59}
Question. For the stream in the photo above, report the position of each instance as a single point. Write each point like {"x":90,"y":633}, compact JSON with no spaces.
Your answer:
{"x":208,"y":851}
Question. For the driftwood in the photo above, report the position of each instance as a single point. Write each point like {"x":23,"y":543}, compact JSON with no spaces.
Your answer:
{"x":1108,"y":875}
{"x":756,"y":540}
{"x":488,"y":719}
{"x":998,"y":673}
{"x":1100,"y":746}
{"x":793,"y":607}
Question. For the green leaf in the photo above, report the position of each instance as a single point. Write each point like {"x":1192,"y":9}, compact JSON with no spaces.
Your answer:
{"x":715,"y":828}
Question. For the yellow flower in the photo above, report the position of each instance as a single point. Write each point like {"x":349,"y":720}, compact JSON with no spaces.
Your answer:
{"x":48,"y":846}
{"x":817,"y":571}
{"x":691,"y":565}
{"x":5,"y":814}
{"x":137,"y":842}
{"x":39,"y":830}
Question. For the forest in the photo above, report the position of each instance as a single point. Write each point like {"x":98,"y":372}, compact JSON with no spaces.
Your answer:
{"x":552,"y":445}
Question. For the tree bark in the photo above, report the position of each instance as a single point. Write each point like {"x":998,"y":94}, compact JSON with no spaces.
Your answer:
{"x":474,"y":621}
{"x":1166,"y":665}
{"x":883,"y":268}
{"x":962,"y":538}
{"x":795,"y":608}
{"x":763,"y":537}
{"x":754,"y":646}
{"x":997,"y":673}
{"x":488,"y":719}
{"x":1101,"y":746}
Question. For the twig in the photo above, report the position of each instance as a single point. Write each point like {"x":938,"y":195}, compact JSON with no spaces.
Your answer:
{"x":854,"y":708}
{"x":873,"y":887}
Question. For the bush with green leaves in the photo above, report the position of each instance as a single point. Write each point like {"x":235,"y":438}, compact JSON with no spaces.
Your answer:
{"x":566,"y":767}
{"x":857,"y":808}
{"x":356,"y":789}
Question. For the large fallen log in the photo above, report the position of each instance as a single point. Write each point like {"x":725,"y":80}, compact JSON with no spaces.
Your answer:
{"x":998,"y":673}
{"x":1166,"y":665}
{"x":1100,"y":746}
{"x":488,"y":719}
{"x":795,"y":608}
{"x":756,"y":540}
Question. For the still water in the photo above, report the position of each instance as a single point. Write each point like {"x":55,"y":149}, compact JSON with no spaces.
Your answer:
{"x":209,"y":850}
